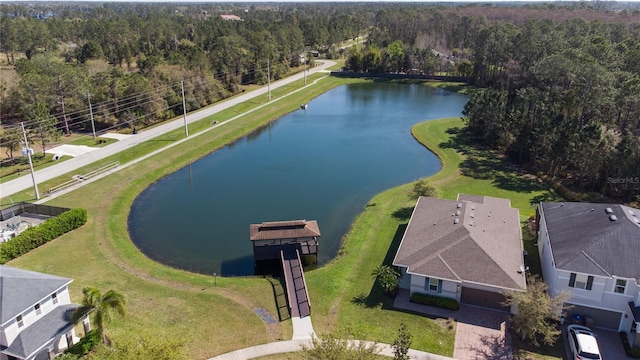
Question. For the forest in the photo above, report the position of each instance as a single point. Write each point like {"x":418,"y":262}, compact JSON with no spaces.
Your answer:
{"x":127,"y":64}
{"x":559,"y":88}
{"x":558,"y":85}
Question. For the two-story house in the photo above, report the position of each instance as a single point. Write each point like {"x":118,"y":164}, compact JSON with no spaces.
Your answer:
{"x":469,"y":249}
{"x":35,"y":311}
{"x":592,"y":251}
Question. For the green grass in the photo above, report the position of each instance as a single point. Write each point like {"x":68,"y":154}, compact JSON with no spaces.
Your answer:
{"x":221,"y":318}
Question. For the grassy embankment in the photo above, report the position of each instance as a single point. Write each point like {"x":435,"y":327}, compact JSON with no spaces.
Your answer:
{"x":219,"y":319}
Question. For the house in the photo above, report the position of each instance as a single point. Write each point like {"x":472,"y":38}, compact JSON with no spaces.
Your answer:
{"x":35,"y":311}
{"x":592,"y":251}
{"x":469,"y":249}
{"x":230,"y":17}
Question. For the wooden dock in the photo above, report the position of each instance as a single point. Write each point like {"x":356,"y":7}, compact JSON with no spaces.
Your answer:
{"x":297,"y":295}
{"x":288,"y":241}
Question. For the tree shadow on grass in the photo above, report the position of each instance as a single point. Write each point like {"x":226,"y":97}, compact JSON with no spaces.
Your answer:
{"x":376,"y":295}
{"x":546,"y":197}
{"x":483,"y":163}
{"x":403,"y":213}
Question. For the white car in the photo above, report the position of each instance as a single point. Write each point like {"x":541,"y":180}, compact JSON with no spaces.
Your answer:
{"x":583,"y":343}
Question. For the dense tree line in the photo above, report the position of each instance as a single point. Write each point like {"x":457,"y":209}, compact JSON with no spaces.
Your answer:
{"x":131,"y":60}
{"x":561,"y":97}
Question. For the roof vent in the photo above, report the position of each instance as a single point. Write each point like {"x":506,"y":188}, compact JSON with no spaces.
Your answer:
{"x":457,"y":212}
{"x":472,"y":215}
{"x":632,"y":213}
{"x":456,"y":221}
{"x":592,"y":209}
{"x":473,"y":207}
{"x":470,"y":223}
{"x":459,"y":205}
{"x":613,"y":217}
{"x":608,"y":210}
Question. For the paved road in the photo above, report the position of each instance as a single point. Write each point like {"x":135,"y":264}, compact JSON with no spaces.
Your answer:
{"x":11,"y":187}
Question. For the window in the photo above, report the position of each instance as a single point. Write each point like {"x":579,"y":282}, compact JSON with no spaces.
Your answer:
{"x":19,"y":320}
{"x":620,"y":287}
{"x":54,"y":297}
{"x":38,"y":310}
{"x":434,"y":285}
{"x":580,"y":281}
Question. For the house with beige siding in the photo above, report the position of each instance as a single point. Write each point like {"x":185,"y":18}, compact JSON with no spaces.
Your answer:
{"x":468,"y":249}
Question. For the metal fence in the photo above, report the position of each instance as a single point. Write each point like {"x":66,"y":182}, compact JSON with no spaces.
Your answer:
{"x":23,"y":207}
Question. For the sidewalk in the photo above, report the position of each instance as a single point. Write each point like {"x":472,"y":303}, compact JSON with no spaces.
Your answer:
{"x":70,"y":165}
{"x":295,"y":345}
{"x":302,"y":334}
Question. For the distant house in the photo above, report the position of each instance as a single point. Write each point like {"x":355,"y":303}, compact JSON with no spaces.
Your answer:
{"x":592,"y":251}
{"x":35,"y":312}
{"x":469,"y":249}
{"x":230,"y":17}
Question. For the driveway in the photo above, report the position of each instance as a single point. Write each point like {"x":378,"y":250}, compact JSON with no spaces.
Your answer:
{"x":480,"y":333}
{"x":71,"y":150}
{"x":609,"y":343}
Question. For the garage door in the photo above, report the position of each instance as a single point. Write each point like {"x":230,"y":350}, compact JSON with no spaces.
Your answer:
{"x":601,"y":318}
{"x":483,"y":298}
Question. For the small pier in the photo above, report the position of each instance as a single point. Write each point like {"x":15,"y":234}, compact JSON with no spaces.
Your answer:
{"x":288,"y":241}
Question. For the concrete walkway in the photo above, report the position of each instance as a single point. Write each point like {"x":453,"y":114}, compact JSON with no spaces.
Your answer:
{"x":302,"y":328}
{"x":296,"y":345}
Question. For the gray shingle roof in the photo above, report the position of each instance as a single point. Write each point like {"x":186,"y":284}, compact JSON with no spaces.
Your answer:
{"x":485,"y":246}
{"x":22,"y":289}
{"x":42,"y":332}
{"x":584,"y":239}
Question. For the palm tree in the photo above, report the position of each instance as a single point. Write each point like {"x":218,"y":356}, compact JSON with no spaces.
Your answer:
{"x":387,"y":277}
{"x":104,"y":307}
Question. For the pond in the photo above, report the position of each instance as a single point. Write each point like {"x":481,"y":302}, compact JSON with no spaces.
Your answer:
{"x":323,"y":163}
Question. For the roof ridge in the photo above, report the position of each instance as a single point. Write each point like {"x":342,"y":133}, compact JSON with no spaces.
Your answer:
{"x":594,"y":262}
{"x":449,"y":267}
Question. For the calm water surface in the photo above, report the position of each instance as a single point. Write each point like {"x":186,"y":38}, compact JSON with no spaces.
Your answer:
{"x":323,"y":163}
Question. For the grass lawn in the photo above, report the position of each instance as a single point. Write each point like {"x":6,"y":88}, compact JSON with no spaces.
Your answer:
{"x":216,"y":319}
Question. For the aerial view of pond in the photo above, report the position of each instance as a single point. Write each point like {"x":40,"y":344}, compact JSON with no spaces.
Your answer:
{"x":323,"y":163}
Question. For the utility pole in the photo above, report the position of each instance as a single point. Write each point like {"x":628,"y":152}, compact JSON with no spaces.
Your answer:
{"x":184,"y":108}
{"x":268,"y":80}
{"x":93,"y":125}
{"x":33,"y":177}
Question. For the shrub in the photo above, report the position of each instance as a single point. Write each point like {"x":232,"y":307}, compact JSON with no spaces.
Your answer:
{"x":39,"y":235}
{"x":423,"y":188}
{"x":635,"y":352}
{"x":437,"y":301}
{"x":86,"y":344}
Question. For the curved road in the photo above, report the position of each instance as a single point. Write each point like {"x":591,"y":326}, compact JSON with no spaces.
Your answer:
{"x":11,"y":187}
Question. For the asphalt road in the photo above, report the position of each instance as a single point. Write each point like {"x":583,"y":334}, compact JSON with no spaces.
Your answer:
{"x":11,"y":187}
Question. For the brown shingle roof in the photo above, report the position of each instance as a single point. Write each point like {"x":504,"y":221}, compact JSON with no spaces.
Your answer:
{"x":284,"y":230}
{"x":485,"y":245}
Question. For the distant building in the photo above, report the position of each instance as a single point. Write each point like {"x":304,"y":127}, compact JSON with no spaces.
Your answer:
{"x":230,"y":17}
